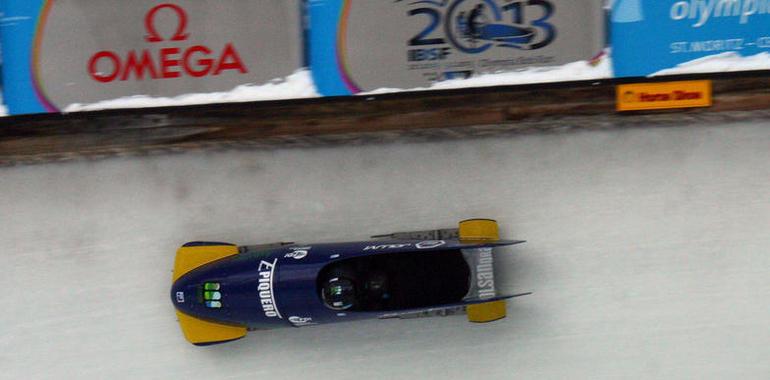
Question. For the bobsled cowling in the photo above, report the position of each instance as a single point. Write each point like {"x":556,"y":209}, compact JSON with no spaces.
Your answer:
{"x":221,"y":291}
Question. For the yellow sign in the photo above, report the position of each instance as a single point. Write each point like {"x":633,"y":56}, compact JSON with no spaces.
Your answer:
{"x":664,"y":95}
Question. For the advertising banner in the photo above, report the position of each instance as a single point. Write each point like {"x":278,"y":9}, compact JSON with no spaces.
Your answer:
{"x":60,"y":52}
{"x":652,"y":35}
{"x":361,"y":46}
{"x":663,"y":95}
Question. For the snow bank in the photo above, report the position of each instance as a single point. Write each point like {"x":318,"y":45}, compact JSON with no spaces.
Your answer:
{"x":576,"y":71}
{"x":300,"y":85}
{"x":297,"y":85}
{"x":723,"y":62}
{"x":3,"y":109}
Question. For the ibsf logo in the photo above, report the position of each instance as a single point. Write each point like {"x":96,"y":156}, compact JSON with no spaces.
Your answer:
{"x":165,"y":62}
{"x":475,"y":26}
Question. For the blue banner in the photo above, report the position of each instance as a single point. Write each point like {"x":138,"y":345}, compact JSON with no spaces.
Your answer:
{"x":652,"y":35}
{"x":17,"y":30}
{"x":325,"y":17}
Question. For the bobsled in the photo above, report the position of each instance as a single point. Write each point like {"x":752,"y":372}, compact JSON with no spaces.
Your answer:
{"x":221,"y":291}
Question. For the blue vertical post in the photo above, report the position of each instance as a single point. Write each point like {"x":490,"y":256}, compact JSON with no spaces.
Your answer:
{"x":17,"y":35}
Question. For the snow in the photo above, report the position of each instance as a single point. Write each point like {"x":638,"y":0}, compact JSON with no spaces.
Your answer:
{"x":647,"y":252}
{"x":297,"y":85}
{"x":3,"y":109}
{"x":723,"y":62}
{"x":575,"y":71}
{"x":300,"y":85}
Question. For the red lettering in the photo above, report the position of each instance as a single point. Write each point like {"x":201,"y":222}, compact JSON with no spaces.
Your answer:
{"x":684,"y":95}
{"x":230,"y":61}
{"x":172,"y":62}
{"x":645,"y":97}
{"x":204,"y":63}
{"x":165,"y":62}
{"x":99,"y":76}
{"x":168,"y":62}
{"x":181,"y":30}
{"x":139,"y":67}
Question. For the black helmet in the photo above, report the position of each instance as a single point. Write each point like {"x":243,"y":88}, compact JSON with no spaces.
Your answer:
{"x":339,"y":293}
{"x":377,"y":286}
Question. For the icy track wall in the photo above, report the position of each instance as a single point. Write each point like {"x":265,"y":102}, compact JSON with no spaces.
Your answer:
{"x":146,"y":53}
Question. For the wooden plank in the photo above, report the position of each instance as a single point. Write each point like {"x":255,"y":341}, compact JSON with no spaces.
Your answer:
{"x":420,"y":116}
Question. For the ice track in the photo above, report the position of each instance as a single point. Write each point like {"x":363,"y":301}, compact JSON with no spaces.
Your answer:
{"x":648,"y":253}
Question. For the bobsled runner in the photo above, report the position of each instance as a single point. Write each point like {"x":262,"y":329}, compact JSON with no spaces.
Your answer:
{"x":221,"y":291}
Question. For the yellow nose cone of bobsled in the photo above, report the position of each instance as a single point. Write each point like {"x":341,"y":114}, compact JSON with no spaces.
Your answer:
{"x":198,"y":331}
{"x":201,"y":333}
{"x":486,"y":312}
{"x":479,"y":230}
{"x":191,"y":257}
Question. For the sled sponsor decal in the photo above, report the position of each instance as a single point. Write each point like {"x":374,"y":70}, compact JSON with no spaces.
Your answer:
{"x":298,"y":253}
{"x":212,"y":297}
{"x":385,"y":246}
{"x":265,"y":288}
{"x":666,"y":95}
{"x":427,"y":244}
{"x":301,"y":321}
{"x":180,"y":297}
{"x":481,"y":263}
{"x":485,"y":278}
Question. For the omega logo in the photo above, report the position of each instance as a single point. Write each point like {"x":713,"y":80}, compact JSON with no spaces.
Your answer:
{"x":165,"y":62}
{"x":152,"y":33}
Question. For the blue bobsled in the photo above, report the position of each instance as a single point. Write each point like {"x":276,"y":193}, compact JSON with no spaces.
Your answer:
{"x":221,"y":291}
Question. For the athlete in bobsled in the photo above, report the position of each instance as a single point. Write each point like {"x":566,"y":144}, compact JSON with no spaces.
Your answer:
{"x":221,"y":291}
